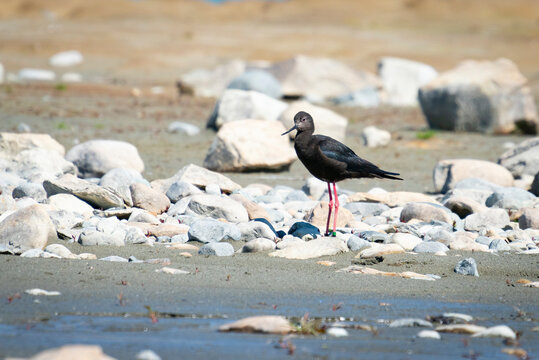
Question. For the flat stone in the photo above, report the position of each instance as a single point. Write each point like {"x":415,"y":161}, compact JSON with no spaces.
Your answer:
{"x":31,"y":190}
{"x":95,"y":195}
{"x":355,"y":243}
{"x":430,"y":247}
{"x":366,"y":208}
{"x":409,"y":322}
{"x":210,"y":230}
{"x":271,"y":324}
{"x":79,"y":352}
{"x":379,"y":250}
{"x":257,"y":245}
{"x":511,"y":198}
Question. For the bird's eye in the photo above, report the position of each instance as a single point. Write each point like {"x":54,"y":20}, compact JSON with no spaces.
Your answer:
{"x":302,"y":119}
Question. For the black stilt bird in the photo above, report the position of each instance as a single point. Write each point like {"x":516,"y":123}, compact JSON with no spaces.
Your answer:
{"x":330,"y":160}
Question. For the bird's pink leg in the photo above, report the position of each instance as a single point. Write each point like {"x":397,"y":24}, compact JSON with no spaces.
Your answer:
{"x":336,"y":209}
{"x":330,"y":208}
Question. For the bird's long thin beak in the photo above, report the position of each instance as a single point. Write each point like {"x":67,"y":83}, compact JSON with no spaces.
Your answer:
{"x":286,"y":132}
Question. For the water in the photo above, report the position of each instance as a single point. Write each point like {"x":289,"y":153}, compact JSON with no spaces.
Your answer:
{"x":195,"y":335}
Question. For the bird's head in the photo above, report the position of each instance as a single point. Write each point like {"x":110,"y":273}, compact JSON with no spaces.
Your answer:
{"x":302,"y":122}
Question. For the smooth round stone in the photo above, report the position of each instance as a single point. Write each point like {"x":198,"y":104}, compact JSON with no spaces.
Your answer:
{"x":355,"y":243}
{"x":499,"y":245}
{"x":301,"y":228}
{"x":217,"y":249}
{"x":374,"y":236}
{"x":430,"y":247}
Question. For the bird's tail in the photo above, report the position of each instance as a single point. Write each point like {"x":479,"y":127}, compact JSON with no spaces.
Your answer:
{"x":382,"y":174}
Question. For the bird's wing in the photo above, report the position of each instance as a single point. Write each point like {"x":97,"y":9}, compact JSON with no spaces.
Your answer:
{"x":336,"y":150}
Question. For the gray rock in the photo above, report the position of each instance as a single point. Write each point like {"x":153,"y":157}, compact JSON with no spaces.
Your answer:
{"x":477,"y":185}
{"x":178,"y":127}
{"x":237,"y":105}
{"x":511,"y":198}
{"x":373,"y":137}
{"x":484,"y":96}
{"x":499,"y":245}
{"x":374,"y":236}
{"x":146,"y":198}
{"x":407,"y":241}
{"x":181,"y":238}
{"x":430,"y":247}
{"x":449,"y":172}
{"x":95,"y":158}
{"x":483,"y":240}
{"x":140,"y":215}
{"x":425,"y":212}
{"x":217,"y":249}
{"x":257,"y":245}
{"x":248,"y":145}
{"x":255,"y":229}
{"x":496,"y":218}
{"x":320,"y":78}
{"x":218,"y":207}
{"x":179,"y":208}
{"x":135,"y":235}
{"x":26,"y":228}
{"x":70,"y":203}
{"x":440,"y":235}
{"x":257,"y":80}
{"x":119,"y":179}
{"x":327,"y":121}
{"x":210,"y":230}
{"x":199,"y":177}
{"x":402,"y":79}
{"x":181,"y":189}
{"x":23,"y":127}
{"x":529,"y":219}
{"x":366,"y":208}
{"x":210,"y":83}
{"x":95,"y":195}
{"x":296,"y":195}
{"x":31,"y":190}
{"x":355,"y":243}
{"x":523,"y":159}
{"x":367,"y":97}
{"x":107,"y":231}
{"x":467,"y":267}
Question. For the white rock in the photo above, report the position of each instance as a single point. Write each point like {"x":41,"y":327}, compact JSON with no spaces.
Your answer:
{"x":172,"y":271}
{"x":41,"y":292}
{"x":147,"y":355}
{"x":248,"y":145}
{"x":71,"y":77}
{"x":257,"y":245}
{"x":211,"y":83}
{"x":312,"y":249}
{"x":71,"y":203}
{"x":407,"y":241}
{"x":36,"y":75}
{"x":237,"y":105}
{"x":337,"y":332}
{"x":61,"y":251}
{"x":503,"y":331}
{"x":429,"y":334}
{"x":66,"y":58}
{"x":183,"y":128}
{"x":218,"y":207}
{"x":402,"y":79}
{"x":374,"y":137}
{"x":380,"y":249}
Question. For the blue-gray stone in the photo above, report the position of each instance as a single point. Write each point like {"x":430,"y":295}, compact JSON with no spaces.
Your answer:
{"x":180,"y":189}
{"x":217,"y":249}
{"x":430,"y":247}
{"x":510,"y":198}
{"x":499,"y":245}
{"x":355,"y":243}
{"x":374,"y":236}
{"x":211,"y":230}
{"x":476,"y":184}
{"x":257,"y":80}
{"x":114,"y":258}
{"x":180,"y":238}
{"x":366,"y":208}
{"x":535,"y":185}
{"x":301,"y":228}
{"x":467,"y":267}
{"x":483,"y":240}
{"x":366,"y":97}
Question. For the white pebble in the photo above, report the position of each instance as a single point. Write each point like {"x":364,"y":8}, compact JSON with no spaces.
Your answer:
{"x":66,"y":58}
{"x":429,"y":334}
{"x":39,"y":292}
{"x":147,"y":355}
{"x":503,"y":331}
{"x":36,"y":74}
{"x":337,"y":332}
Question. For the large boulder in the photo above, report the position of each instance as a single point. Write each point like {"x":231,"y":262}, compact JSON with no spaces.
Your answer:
{"x":13,"y":143}
{"x":319,"y":78}
{"x":402,"y":79}
{"x":447,"y":173}
{"x":248,"y":145}
{"x":199,"y":177}
{"x":95,"y":158}
{"x":25,"y":229}
{"x":523,"y":159}
{"x":239,"y":105}
{"x":257,"y":80}
{"x":327,"y":122}
{"x":483,"y":96}
{"x":210,"y":83}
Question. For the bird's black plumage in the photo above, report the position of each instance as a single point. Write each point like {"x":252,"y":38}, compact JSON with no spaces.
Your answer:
{"x":328,"y":159}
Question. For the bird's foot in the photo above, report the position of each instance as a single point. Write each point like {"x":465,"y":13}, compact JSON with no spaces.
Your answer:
{"x":331,"y":234}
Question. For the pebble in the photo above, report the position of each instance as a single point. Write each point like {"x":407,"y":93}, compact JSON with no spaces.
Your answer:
{"x":178,"y":127}
{"x":217,"y":249}
{"x":355,"y":243}
{"x":66,"y":58}
{"x":147,"y":355}
{"x":502,"y":331}
{"x":311,"y":249}
{"x":209,"y":230}
{"x":257,"y":245}
{"x":381,"y":249}
{"x":337,"y":332}
{"x":36,"y":75}
{"x":41,"y":292}
{"x":114,"y":258}
{"x":429,"y":334}
{"x":410,"y":322}
{"x":374,"y":236}
{"x":467,"y":267}
{"x":407,"y":241}
{"x":431,"y":247}
{"x":172,"y":271}
{"x":269,"y":324}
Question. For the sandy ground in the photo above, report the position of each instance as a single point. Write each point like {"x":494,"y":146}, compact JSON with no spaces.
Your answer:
{"x":146,"y":43}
